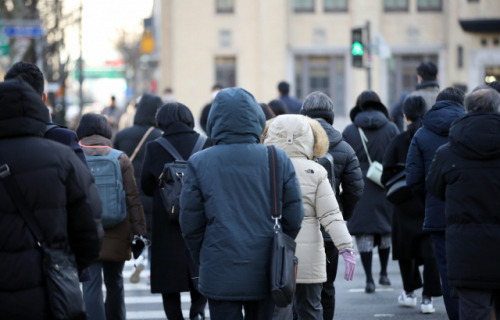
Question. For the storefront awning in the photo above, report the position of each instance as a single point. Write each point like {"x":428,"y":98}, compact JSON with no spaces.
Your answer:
{"x":481,"y":25}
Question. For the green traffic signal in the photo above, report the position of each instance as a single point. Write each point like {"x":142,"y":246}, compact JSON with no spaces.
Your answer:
{"x":357,"y":49}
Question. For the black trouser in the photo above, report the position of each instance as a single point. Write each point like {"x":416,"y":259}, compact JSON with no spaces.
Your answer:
{"x":172,"y":304}
{"x":254,"y":310}
{"x":328,"y":291}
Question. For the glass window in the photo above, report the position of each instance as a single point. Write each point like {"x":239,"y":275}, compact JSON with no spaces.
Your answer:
{"x":224,"y":6}
{"x":303,"y":5}
{"x":429,"y":5}
{"x":335,"y":5}
{"x":396,"y":5}
{"x":225,"y":38}
{"x":225,"y":71}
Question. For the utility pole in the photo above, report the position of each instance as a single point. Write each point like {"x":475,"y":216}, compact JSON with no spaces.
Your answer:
{"x":368,"y":56}
{"x":80,"y":62}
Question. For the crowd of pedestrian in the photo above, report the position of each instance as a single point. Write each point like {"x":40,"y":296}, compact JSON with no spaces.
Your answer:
{"x":215,"y":242}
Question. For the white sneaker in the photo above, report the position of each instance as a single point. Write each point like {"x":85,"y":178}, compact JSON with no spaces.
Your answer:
{"x":136,"y":275}
{"x":407,"y":299}
{"x":427,"y":306}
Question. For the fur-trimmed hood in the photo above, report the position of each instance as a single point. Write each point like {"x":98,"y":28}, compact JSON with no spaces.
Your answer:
{"x":298,"y":135}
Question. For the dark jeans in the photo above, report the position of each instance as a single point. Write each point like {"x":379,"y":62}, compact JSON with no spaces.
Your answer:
{"x":328,"y":291}
{"x":254,"y":310}
{"x":478,"y":303}
{"x":114,"y":306}
{"x":439,"y":245}
{"x":307,"y":301}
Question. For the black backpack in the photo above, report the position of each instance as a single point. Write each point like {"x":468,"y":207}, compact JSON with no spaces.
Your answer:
{"x":172,"y":175}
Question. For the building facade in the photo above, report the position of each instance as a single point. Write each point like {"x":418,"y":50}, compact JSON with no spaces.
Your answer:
{"x":254,"y":44}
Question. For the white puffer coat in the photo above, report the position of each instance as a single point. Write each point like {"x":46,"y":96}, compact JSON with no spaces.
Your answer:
{"x":304,"y":140}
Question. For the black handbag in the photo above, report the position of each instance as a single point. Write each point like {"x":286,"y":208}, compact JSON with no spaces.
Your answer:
{"x":59,"y":267}
{"x":396,"y":189}
{"x":283,"y":262}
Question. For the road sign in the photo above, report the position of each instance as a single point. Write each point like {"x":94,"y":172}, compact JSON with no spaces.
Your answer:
{"x":23,"y":31}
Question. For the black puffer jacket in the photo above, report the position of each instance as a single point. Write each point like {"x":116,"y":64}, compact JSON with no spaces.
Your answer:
{"x":127,"y":140}
{"x":59,"y":189}
{"x":464,"y":173}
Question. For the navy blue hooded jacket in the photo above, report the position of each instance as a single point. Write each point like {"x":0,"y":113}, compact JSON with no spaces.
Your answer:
{"x":226,"y":205}
{"x":425,"y":142}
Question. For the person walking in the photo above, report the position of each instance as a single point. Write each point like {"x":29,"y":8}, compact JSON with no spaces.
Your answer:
{"x":411,"y":246}
{"x":293,"y":105}
{"x":348,"y":185}
{"x":132,"y":141}
{"x":59,"y":190}
{"x":463,"y":174}
{"x":172,"y":269}
{"x":304,"y":140}
{"x":95,"y":138}
{"x":372,"y":218}
{"x":427,"y":86}
{"x":433,"y":134}
{"x":226,"y":217}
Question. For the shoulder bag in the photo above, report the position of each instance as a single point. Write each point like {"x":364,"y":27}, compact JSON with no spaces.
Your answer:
{"x":374,"y":172}
{"x":283,"y":262}
{"x":59,"y":267}
{"x":396,"y":189}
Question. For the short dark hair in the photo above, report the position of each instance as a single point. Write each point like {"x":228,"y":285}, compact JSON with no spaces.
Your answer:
{"x":27,"y":72}
{"x":174,"y":112}
{"x":268,"y":112}
{"x":284,"y":87}
{"x":453,"y":94}
{"x":217,"y":86}
{"x":486,"y":100}
{"x":278,"y":107}
{"x":427,"y":70}
{"x":93,"y":123}
{"x":414,"y":107}
{"x":495,"y":85}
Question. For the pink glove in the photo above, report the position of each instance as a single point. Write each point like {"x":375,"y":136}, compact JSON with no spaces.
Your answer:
{"x":350,"y":263}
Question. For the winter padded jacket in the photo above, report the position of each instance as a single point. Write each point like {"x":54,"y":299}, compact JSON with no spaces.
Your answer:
{"x":304,"y":140}
{"x":117,"y":240}
{"x":425,"y":142}
{"x":58,"y":188}
{"x":465,"y":174}
{"x":226,"y":201}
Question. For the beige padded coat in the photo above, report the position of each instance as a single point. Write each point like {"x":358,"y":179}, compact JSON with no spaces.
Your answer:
{"x":304,"y":140}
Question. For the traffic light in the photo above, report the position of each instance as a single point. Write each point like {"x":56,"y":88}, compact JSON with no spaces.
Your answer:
{"x":357,"y":47}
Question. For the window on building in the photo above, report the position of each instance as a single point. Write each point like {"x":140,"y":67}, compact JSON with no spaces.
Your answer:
{"x":403,"y":74}
{"x":224,"y":6}
{"x":321,"y":73}
{"x":225,"y":38}
{"x":395,"y":5}
{"x":225,"y":71}
{"x":430,"y":5}
{"x":335,"y":5}
{"x":303,"y":5}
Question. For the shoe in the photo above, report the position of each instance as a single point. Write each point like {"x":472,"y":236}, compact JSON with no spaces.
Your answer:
{"x":426,"y":305}
{"x":384,"y":280}
{"x":199,"y":316}
{"x":370,"y":287}
{"x":407,"y":299}
{"x":136,"y":275}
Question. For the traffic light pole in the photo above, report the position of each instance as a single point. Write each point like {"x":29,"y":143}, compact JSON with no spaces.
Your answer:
{"x":368,"y":56}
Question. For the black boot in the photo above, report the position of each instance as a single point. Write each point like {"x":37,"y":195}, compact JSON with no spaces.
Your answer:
{"x":366,"y":260}
{"x":384,"y":260}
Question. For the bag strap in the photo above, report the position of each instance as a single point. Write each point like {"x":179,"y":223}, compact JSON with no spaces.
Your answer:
{"x":14,"y":192}
{"x":199,"y":144}
{"x":169,"y":147}
{"x":144,"y":137}
{"x":329,"y":157}
{"x":364,"y":139}
{"x":271,"y":155}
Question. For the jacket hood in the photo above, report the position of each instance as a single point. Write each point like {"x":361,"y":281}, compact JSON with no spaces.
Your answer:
{"x":298,"y":135}
{"x":334,"y":136}
{"x":439,"y":118}
{"x":476,"y":136}
{"x":22,"y":111}
{"x":146,"y":110}
{"x":370,"y":119}
{"x":235,"y":117}
{"x":427,"y":84}
{"x":368,"y":105}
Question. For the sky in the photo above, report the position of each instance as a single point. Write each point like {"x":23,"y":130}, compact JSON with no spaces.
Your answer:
{"x":101,"y":20}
